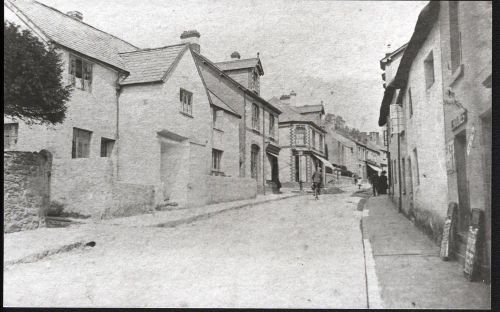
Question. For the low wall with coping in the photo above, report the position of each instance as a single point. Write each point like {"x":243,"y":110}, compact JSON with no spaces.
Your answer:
{"x":223,"y":189}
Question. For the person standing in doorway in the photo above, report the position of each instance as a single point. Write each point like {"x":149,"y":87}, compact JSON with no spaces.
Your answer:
{"x":382,"y":184}
{"x":316,"y":178}
{"x":374,"y":180}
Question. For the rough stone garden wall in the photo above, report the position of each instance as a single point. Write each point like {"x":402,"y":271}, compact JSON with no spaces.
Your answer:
{"x":26,"y":190}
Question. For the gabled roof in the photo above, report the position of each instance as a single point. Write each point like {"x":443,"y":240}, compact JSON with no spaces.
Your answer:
{"x":310,"y":108}
{"x":72,"y":33}
{"x":291,"y":114}
{"x":151,"y":65}
{"x":426,"y":20}
{"x":200,"y":58}
{"x":388,"y":57}
{"x":241,"y":64}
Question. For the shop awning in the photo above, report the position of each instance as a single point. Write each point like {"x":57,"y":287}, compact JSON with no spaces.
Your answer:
{"x":375,"y":168}
{"x":324,"y":161}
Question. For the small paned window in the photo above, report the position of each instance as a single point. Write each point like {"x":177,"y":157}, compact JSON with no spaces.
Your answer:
{"x":216,"y":160}
{"x":10,"y":131}
{"x":255,"y":117}
{"x":320,"y":142}
{"x":107,"y":147}
{"x":300,"y":136}
{"x":313,"y":138}
{"x":80,"y":73}
{"x":81,"y":143}
{"x":186,"y":100}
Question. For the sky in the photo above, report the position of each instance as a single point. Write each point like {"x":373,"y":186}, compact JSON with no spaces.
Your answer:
{"x":323,"y":50}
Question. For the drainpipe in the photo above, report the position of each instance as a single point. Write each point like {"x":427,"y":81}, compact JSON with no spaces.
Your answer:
{"x":400,"y":207}
{"x":118,"y":92}
{"x":264,"y":149}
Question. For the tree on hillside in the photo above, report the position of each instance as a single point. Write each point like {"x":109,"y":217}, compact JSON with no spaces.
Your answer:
{"x":33,"y":89}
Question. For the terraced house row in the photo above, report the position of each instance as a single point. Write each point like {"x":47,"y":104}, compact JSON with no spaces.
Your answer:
{"x":147,"y":127}
{"x":437,"y":112}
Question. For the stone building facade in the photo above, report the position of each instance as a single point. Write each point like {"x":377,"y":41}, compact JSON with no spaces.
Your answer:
{"x":235,"y":85}
{"x":302,"y":142}
{"x":140,"y":128}
{"x":443,"y":86}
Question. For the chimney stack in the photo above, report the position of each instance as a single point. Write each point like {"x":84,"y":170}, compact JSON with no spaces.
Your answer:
{"x":75,"y":15}
{"x":235,"y":55}
{"x":193,"y":38}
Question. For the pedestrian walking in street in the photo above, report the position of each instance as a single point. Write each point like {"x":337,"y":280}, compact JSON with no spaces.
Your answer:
{"x":382,"y":183}
{"x":316,"y":177}
{"x":374,"y":180}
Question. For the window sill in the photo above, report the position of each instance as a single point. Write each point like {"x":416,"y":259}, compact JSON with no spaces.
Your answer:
{"x":457,"y":74}
{"x":218,"y":130}
{"x":256,"y":131}
{"x":186,"y":114}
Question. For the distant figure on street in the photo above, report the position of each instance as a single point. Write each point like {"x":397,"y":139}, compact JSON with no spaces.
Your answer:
{"x":382,"y":184}
{"x":359,"y":182}
{"x":374,"y":180}
{"x":355,"y":180}
{"x":316,"y":177}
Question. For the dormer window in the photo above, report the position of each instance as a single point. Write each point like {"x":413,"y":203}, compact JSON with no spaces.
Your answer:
{"x":80,"y":73}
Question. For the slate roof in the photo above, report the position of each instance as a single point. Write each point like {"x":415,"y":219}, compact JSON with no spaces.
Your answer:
{"x":74,"y":34}
{"x":291,"y":113}
{"x":241,"y":64}
{"x":151,"y":65}
{"x":203,"y":60}
{"x":304,"y":109}
{"x":220,"y":104}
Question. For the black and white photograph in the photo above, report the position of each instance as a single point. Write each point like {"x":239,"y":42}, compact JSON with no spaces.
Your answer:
{"x":271,"y":154}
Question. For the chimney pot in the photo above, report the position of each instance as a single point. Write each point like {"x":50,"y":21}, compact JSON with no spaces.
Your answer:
{"x":75,"y":15}
{"x":193,"y":38}
{"x":235,"y":55}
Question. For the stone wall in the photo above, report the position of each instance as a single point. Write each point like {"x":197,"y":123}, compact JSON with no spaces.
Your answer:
{"x":129,"y":199}
{"x":223,"y":189}
{"x":26,"y":190}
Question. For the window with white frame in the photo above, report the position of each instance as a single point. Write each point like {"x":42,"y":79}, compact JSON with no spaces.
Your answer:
{"x":80,"y":73}
{"x":81,"y":143}
{"x":255,"y":117}
{"x":10,"y":131}
{"x":186,"y":100}
{"x":300,"y":135}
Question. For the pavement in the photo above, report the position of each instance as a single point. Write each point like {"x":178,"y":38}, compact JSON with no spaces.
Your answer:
{"x":409,"y":270}
{"x":296,"y":252}
{"x":30,"y":246}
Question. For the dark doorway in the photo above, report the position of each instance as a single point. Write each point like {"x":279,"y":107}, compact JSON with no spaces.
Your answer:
{"x":460,"y":143}
{"x":297,"y":168}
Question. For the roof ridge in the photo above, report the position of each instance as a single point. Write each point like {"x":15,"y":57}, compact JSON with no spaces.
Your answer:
{"x":150,"y":49}
{"x":251,"y":58}
{"x":65,"y":15}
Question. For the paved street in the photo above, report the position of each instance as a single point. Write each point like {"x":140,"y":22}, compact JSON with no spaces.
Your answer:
{"x":295,"y":252}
